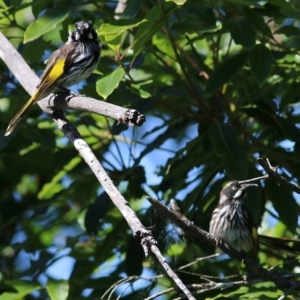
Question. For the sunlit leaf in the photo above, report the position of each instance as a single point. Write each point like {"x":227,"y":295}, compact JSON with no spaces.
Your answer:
{"x":55,"y":186}
{"x":108,"y":83}
{"x":178,"y":2}
{"x":141,"y":89}
{"x":153,"y":21}
{"x":112,"y":32}
{"x":45,"y":23}
{"x":22,"y":288}
{"x":57,"y":290}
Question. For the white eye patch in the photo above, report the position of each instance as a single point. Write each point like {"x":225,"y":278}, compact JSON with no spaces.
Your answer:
{"x":238,"y":194}
{"x":77,"y":36}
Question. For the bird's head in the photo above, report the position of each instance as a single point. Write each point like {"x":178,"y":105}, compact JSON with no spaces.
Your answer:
{"x":84,"y":31}
{"x":235,"y":191}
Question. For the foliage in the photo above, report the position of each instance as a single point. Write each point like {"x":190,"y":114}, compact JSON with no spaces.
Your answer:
{"x":219,"y":85}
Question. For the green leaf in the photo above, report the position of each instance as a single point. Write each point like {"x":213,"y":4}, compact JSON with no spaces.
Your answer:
{"x":242,"y":32}
{"x":232,"y":294}
{"x":269,"y":291}
{"x":296,"y":153}
{"x":226,"y":145}
{"x":134,"y":258}
{"x":261,"y":61}
{"x":256,"y":209}
{"x":112,"y":32}
{"x":140,"y":90}
{"x":45,"y":23}
{"x":153,"y":21}
{"x":118,"y":26}
{"x":268,"y":116}
{"x":113,"y":41}
{"x":55,"y":186}
{"x":108,"y":83}
{"x":225,"y":72}
{"x":257,"y":21}
{"x":163,"y":44}
{"x":288,"y":31}
{"x":178,"y":2}
{"x":265,"y":114}
{"x":284,"y":203}
{"x":57,"y":290}
{"x":132,"y":9}
{"x":22,"y":287}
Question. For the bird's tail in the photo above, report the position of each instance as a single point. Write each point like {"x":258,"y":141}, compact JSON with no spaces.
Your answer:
{"x":20,"y":115}
{"x":279,"y":244}
{"x":41,"y":92}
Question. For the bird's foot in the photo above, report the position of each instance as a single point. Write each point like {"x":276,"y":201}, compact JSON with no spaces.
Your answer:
{"x":71,"y":93}
{"x":218,"y":241}
{"x":243,"y":255}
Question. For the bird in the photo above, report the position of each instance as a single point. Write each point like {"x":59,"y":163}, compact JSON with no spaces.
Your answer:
{"x":232,"y":222}
{"x":73,"y":62}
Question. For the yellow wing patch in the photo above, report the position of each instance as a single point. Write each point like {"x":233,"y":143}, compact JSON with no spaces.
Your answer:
{"x":57,"y":71}
{"x":49,"y":79}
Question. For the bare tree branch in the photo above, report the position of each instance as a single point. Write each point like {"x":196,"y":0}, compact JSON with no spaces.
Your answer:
{"x":130,"y":117}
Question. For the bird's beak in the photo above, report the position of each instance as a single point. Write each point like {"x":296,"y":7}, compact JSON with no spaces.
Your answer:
{"x":246,"y":185}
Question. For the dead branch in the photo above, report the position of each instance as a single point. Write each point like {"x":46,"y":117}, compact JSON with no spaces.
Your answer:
{"x":272,"y":173}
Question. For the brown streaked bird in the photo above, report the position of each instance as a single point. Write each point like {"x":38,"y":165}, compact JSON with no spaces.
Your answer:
{"x":71,"y":63}
{"x":233,"y":222}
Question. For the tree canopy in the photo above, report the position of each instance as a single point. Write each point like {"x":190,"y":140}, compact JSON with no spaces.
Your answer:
{"x":216,"y":85}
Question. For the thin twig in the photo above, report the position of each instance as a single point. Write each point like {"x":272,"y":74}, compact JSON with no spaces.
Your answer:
{"x":272,"y":172}
{"x":171,"y":273}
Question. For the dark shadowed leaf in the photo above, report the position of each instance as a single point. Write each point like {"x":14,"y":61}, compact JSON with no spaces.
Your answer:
{"x":284,"y":204}
{"x":288,"y":31}
{"x":242,"y":32}
{"x":226,"y":145}
{"x":257,"y":21}
{"x":134,"y":257}
{"x":261,"y":61}
{"x":225,"y":72}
